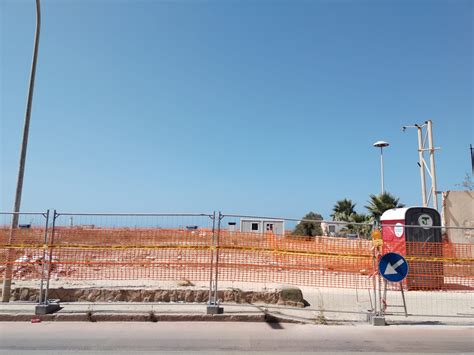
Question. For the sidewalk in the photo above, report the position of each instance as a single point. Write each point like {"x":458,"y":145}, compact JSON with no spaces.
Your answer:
{"x":159,"y":312}
{"x":326,"y":306}
{"x":124,"y":311}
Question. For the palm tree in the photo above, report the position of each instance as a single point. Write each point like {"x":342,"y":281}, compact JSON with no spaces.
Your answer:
{"x":378,"y":204}
{"x":362,"y":230}
{"x":343,"y":210}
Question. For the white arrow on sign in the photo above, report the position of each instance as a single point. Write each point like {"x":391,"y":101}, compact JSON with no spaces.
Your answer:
{"x":391,"y":269}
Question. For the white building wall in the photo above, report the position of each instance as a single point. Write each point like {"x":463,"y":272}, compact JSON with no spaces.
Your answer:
{"x":276,"y":227}
{"x":458,"y":211}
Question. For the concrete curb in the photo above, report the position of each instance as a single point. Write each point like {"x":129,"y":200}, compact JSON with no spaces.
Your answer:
{"x":145,"y":317}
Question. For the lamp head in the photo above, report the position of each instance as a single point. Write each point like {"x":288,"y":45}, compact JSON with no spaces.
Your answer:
{"x":381,"y":144}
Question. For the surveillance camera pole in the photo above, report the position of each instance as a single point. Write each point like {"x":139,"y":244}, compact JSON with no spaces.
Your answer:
{"x":433,"y":193}
{"x":432,"y":164}
{"x":422,"y":164}
{"x":21,"y":170}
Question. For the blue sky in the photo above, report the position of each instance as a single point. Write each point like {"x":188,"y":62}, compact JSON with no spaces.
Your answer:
{"x":253,"y":107}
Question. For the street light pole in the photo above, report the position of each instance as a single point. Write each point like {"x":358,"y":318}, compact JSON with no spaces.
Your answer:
{"x":381,"y":145}
{"x":381,"y":169}
{"x":21,"y":170}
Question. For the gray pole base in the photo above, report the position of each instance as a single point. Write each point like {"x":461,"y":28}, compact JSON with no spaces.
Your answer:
{"x":375,"y":319}
{"x":48,"y":308}
{"x":378,"y":321}
{"x":6,"y":289}
{"x":214,"y":309}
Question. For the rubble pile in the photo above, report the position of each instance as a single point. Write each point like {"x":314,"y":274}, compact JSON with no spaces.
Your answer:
{"x":32,"y":265}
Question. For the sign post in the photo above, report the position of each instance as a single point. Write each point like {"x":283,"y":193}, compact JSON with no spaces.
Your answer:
{"x":393,"y":267}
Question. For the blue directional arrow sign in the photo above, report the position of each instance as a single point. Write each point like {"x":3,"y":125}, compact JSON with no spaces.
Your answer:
{"x":393,"y":267}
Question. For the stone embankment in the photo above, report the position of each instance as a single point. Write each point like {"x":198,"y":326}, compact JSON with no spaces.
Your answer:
{"x":286,"y":296}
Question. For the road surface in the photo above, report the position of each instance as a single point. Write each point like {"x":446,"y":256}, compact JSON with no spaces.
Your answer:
{"x":217,"y":337}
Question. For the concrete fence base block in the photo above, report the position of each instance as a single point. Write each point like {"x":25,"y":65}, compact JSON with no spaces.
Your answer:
{"x":49,"y":308}
{"x":212,"y":309}
{"x":378,"y":321}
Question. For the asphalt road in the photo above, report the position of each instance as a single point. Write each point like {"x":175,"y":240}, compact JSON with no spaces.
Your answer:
{"x":217,"y":337}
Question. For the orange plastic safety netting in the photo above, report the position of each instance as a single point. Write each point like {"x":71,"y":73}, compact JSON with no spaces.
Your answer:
{"x":78,"y":253}
{"x":22,"y":251}
{"x":320,"y":261}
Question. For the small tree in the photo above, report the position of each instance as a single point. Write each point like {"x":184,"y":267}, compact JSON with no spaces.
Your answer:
{"x":378,"y":204}
{"x":467,"y":183}
{"x":307,"y":227}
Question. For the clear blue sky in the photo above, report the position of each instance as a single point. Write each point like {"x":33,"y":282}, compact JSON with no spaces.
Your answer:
{"x":254,"y":107}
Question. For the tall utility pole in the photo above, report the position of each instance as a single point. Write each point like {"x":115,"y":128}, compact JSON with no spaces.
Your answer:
{"x":422,"y":162}
{"x":21,"y":170}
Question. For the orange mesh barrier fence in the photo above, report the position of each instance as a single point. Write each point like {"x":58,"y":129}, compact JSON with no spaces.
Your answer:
{"x":440,"y":266}
{"x":81,"y":253}
{"x":26,"y":253}
{"x":320,"y":261}
{"x":436,"y":266}
{"x":123,"y":254}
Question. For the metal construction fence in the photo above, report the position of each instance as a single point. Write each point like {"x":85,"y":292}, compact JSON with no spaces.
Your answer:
{"x":219,"y":249}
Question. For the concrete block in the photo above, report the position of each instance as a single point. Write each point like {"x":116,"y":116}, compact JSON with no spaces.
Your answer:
{"x":378,"y":321}
{"x":291,"y":294}
{"x":49,"y":308}
{"x":212,"y":309}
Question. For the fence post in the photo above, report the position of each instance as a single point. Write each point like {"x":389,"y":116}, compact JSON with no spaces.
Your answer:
{"x":211,"y":261}
{"x":50,"y":255}
{"x":49,"y":307}
{"x":217,"y":255}
{"x":213,"y":306}
{"x":378,"y":317}
{"x":45,"y":246}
